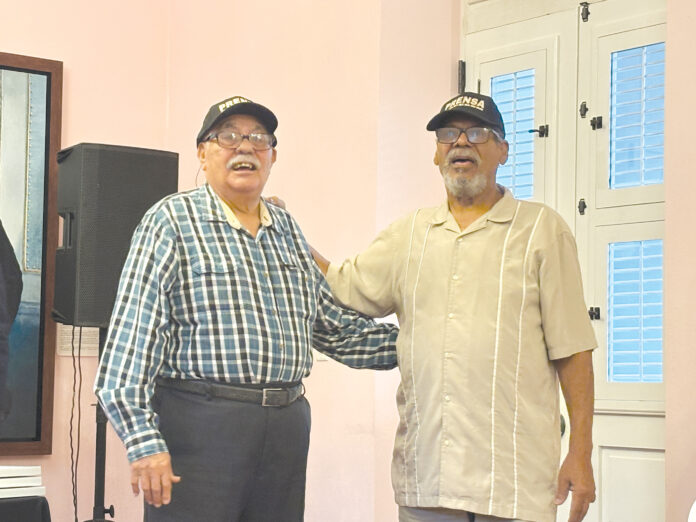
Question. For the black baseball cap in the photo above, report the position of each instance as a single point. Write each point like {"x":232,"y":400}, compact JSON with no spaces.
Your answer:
{"x":236,"y":105}
{"x":472,"y":104}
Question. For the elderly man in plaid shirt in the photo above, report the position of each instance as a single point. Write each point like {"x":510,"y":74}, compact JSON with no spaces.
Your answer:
{"x":219,"y":305}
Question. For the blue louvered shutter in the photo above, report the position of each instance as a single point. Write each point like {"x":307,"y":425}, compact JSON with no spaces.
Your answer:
{"x":637,"y":116}
{"x":634,"y":334}
{"x":514,"y":95}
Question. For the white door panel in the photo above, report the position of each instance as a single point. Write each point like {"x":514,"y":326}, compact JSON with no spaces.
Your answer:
{"x":629,"y":409}
{"x":629,"y":468}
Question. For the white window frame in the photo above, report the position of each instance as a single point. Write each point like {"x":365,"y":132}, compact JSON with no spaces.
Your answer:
{"x":607,"y":39}
{"x":619,"y":394}
{"x":552,"y":60}
{"x":491,"y":65}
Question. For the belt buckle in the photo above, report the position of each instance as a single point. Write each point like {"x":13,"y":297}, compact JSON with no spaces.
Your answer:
{"x":264,"y":399}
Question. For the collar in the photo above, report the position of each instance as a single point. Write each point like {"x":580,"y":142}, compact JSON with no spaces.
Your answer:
{"x":215,"y":209}
{"x":502,"y":212}
{"x":504,"y":209}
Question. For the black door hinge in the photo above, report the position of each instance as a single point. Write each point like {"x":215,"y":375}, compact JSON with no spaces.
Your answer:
{"x":585,"y":12}
{"x":583,"y":109}
{"x":543,"y":131}
{"x":462,"y":77}
{"x":596,"y":123}
{"x":582,"y":206}
{"x":594,"y":313}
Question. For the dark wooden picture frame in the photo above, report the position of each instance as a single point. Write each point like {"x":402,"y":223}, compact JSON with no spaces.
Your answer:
{"x":39,"y":442}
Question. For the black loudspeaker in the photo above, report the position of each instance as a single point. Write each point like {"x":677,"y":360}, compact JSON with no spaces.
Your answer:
{"x":103,"y":193}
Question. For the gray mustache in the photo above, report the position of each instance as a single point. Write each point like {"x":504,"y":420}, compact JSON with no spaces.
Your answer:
{"x":460,"y":154}
{"x":243,"y":158}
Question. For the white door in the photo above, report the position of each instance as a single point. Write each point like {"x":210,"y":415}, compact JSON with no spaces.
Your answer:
{"x":620,"y":178}
{"x":614,"y":63}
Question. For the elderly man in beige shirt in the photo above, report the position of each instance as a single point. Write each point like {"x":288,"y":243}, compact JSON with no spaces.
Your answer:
{"x":488,"y":293}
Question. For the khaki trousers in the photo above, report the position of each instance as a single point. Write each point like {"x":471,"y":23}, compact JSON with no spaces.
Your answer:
{"x":410,"y":514}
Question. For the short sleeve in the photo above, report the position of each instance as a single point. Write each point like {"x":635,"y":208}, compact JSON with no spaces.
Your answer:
{"x":565,"y":321}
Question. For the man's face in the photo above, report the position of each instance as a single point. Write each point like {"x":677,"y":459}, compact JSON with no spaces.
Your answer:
{"x":237,"y":172}
{"x":468,"y":169}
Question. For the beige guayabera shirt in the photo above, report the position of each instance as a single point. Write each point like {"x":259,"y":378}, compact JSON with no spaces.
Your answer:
{"x":483,"y":312}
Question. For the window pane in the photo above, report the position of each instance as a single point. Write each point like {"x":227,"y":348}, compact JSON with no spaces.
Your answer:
{"x":514,"y":95}
{"x":634,"y":333}
{"x":637,"y":116}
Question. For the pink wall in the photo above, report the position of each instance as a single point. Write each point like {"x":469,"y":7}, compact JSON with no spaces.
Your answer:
{"x":680,"y":252}
{"x":114,"y":92}
{"x":353,"y":85}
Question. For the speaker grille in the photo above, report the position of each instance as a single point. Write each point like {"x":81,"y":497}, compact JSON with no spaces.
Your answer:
{"x":105,"y":190}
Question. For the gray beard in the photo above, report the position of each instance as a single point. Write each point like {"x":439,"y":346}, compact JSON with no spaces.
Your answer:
{"x":461,"y":188}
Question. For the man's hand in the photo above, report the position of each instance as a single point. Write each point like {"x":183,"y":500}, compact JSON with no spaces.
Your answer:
{"x":576,"y":475}
{"x":318,"y":258}
{"x":153,"y":474}
{"x":577,"y":382}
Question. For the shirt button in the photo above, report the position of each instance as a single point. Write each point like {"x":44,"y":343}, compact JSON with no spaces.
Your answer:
{"x":450,"y":315}
{"x":447,"y":443}
{"x":455,"y":277}
{"x":447,"y":398}
{"x":267,"y":274}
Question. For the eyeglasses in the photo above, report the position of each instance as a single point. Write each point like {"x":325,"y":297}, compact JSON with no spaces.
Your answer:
{"x":232,"y":140}
{"x":477,"y":135}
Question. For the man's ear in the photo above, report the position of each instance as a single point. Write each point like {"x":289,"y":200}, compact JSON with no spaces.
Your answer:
{"x":506,"y":147}
{"x":273,"y":156}
{"x":201,"y":153}
{"x":436,"y":158}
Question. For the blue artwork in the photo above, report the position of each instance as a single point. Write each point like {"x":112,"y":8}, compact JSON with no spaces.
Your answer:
{"x":23,"y":104}
{"x":36,"y":166}
{"x":22,"y":377}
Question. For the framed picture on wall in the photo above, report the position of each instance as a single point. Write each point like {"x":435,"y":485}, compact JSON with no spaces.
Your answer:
{"x":30,"y":122}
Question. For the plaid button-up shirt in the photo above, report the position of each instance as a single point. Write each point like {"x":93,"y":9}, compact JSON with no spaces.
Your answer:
{"x":200,"y":298}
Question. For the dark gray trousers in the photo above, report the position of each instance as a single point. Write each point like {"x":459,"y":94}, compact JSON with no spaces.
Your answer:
{"x":238,"y":462}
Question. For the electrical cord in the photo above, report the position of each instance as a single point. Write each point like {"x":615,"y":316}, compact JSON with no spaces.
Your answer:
{"x":77,"y":383}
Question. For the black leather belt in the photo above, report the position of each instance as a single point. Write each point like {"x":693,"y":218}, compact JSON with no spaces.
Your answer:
{"x":271,"y":397}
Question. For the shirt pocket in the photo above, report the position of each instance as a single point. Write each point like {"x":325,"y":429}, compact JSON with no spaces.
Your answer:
{"x":205,"y":265}
{"x":218,"y":284}
{"x":297,"y":293}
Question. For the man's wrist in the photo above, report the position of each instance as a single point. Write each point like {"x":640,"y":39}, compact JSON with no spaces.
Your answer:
{"x":145,"y":449}
{"x":580,"y":451}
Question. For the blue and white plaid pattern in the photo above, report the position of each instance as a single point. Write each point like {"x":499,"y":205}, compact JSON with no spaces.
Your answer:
{"x":199,"y":299}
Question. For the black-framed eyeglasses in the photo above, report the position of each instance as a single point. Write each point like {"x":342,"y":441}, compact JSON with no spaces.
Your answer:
{"x":231,"y":140}
{"x":477,"y":135}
